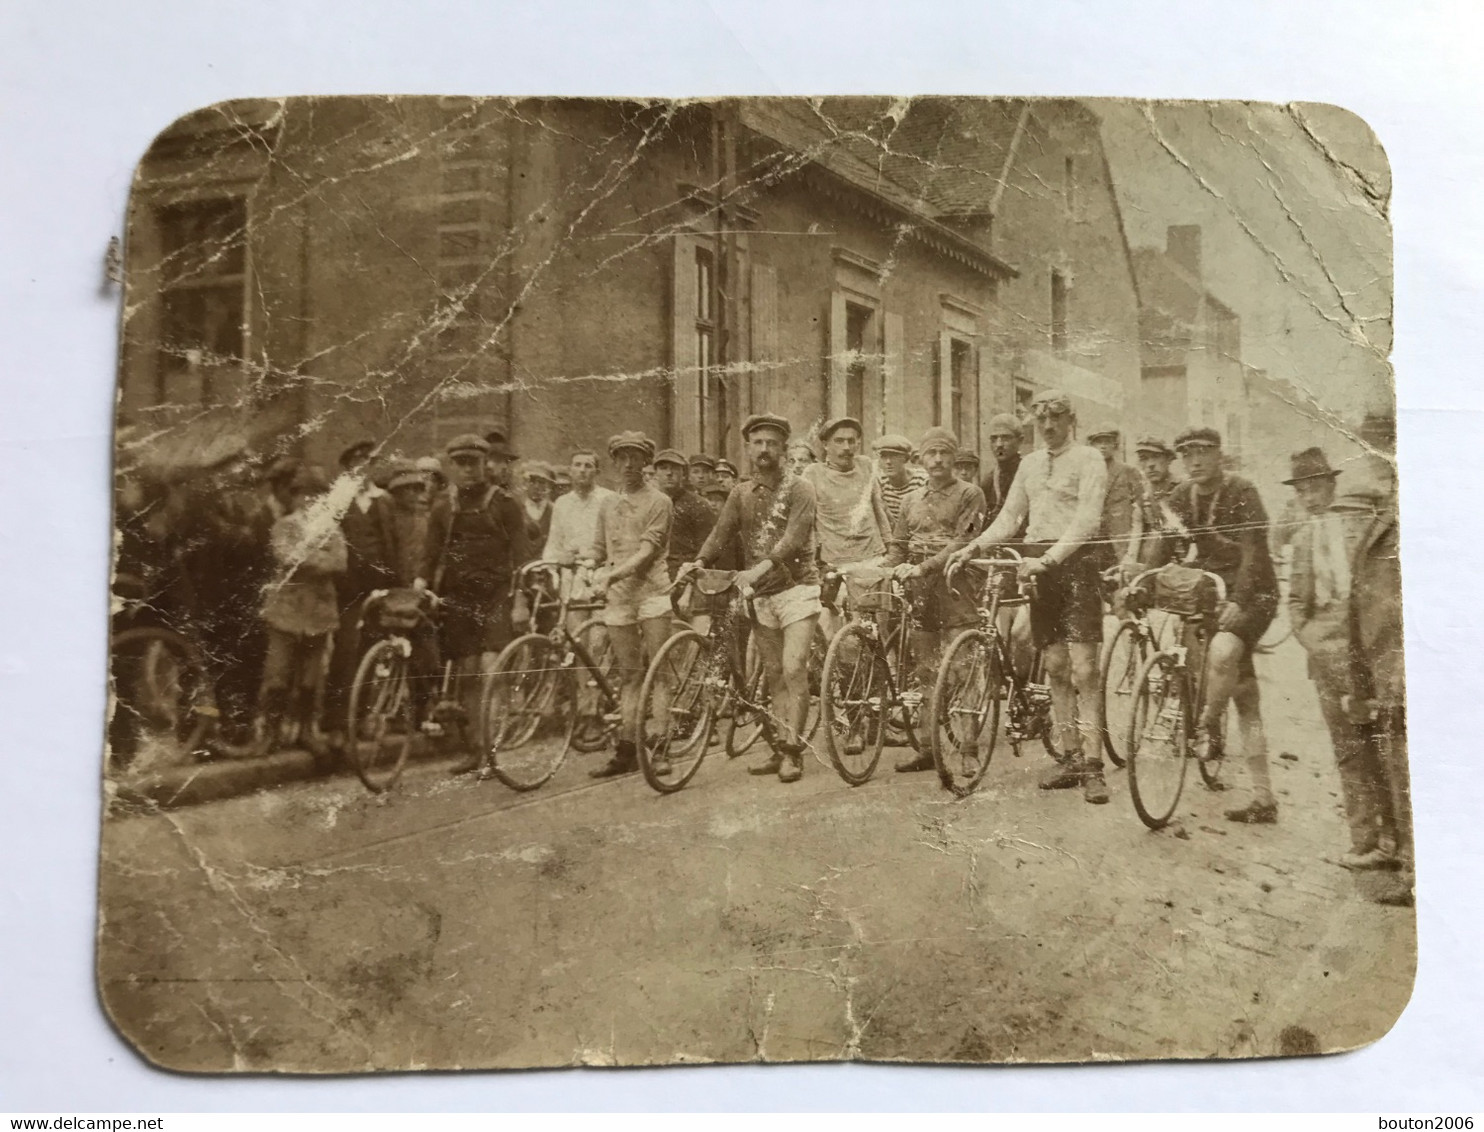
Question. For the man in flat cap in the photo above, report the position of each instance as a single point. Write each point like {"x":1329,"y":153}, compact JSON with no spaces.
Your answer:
{"x":693,"y":517}
{"x":770,"y":516}
{"x":898,"y":476}
{"x":1319,"y":610}
{"x":632,"y":539}
{"x":476,"y":542}
{"x":1156,"y":465}
{"x":850,"y":520}
{"x":800,"y":455}
{"x":702,"y":471}
{"x":935,"y":521}
{"x":1058,"y":497}
{"x":966,"y":466}
{"x":1229,"y":526}
{"x":1123,"y":513}
{"x":539,"y":482}
{"x":726,"y":473}
{"x":1005,"y":433}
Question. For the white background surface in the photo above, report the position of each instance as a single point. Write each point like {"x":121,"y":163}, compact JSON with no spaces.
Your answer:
{"x":85,"y":86}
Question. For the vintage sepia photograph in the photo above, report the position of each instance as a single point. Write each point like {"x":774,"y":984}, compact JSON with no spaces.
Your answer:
{"x":624,"y":582}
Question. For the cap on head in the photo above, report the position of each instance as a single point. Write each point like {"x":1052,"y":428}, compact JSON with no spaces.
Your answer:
{"x":940,"y":438}
{"x":669,"y":456}
{"x":1005,"y":424}
{"x":536,"y":470}
{"x":430,"y":465}
{"x":894,"y":442}
{"x":499,"y":445}
{"x":701,"y":460}
{"x":1198,"y":438}
{"x":1105,"y":432}
{"x":406,"y":473}
{"x":1152,"y":444}
{"x":357,"y":453}
{"x":1051,"y":403}
{"x":965,"y":458}
{"x":831,"y":427}
{"x":466,"y":444}
{"x":726,"y":466}
{"x":1310,"y":464}
{"x":773,"y":421}
{"x":631,"y":441}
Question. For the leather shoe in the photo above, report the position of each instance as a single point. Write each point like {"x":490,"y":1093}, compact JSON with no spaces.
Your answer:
{"x":614,"y":767}
{"x":1255,"y":813}
{"x":1380,"y":857}
{"x":1094,"y":787}
{"x":793,"y":767}
{"x":1062,"y":776}
{"x":770,"y":767}
{"x":922,"y":761}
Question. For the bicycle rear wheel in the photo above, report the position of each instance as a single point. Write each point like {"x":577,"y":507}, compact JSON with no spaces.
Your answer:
{"x":379,"y":718}
{"x":160,"y":691}
{"x":676,"y":709}
{"x":1123,"y":656}
{"x":965,"y":710}
{"x":1158,"y":740}
{"x":592,"y":709}
{"x":855,"y":698}
{"x":522,"y":693}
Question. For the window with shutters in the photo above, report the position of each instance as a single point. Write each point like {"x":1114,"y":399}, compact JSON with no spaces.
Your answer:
{"x":857,"y":330}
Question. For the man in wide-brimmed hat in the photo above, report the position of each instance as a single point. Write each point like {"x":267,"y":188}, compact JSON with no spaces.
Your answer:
{"x":1319,"y":610}
{"x":1057,"y":498}
{"x":632,"y":537}
{"x":771,"y":517}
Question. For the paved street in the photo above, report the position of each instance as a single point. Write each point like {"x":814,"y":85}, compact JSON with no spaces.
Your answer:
{"x":457,"y":923}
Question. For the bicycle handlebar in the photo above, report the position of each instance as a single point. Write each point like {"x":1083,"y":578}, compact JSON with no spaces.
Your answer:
{"x":1220,"y":584}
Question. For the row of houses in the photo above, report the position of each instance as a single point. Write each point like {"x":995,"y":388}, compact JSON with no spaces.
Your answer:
{"x":413,"y":268}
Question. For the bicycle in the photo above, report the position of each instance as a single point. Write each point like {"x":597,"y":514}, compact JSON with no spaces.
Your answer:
{"x":1123,"y":655}
{"x":863,"y":694}
{"x":1169,"y":698}
{"x":977,"y":675}
{"x":560,"y":675}
{"x":693,"y":680}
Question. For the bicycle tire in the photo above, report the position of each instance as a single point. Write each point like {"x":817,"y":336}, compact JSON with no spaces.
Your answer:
{"x":380,"y":688}
{"x":522,"y":674}
{"x":1158,"y":740}
{"x":183,"y":686}
{"x":855,"y":696}
{"x":593,"y":730}
{"x":965,"y":710}
{"x":527,"y":678}
{"x":746,"y":723}
{"x":683,"y":668}
{"x":1211,"y":768}
{"x":1116,"y":685}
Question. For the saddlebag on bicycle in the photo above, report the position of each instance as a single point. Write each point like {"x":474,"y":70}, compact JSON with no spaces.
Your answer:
{"x":401,"y":611}
{"x":712,"y":590}
{"x":1185,"y":591}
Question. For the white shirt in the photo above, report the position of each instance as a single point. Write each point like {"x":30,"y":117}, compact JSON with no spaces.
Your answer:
{"x":574,"y":525}
{"x":1061,"y":493}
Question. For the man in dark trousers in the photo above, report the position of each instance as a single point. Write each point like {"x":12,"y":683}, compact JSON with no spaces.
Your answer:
{"x":476,"y":541}
{"x":692,"y":518}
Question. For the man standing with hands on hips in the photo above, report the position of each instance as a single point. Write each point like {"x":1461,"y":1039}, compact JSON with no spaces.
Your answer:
{"x":1058,"y":493}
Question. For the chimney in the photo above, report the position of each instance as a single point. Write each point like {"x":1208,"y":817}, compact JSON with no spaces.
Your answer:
{"x":1183,"y":245}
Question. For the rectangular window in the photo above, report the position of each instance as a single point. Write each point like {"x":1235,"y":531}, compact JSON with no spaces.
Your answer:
{"x":857,"y":328}
{"x":1058,"y":312}
{"x":961,"y":358}
{"x":714,"y":419}
{"x":203,"y":325}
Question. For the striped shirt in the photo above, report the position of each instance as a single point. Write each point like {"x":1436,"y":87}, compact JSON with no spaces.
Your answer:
{"x":894,"y":496}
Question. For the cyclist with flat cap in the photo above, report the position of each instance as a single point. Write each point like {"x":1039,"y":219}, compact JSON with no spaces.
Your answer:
{"x":770,"y":515}
{"x":1226,"y":520}
{"x":1058,"y":494}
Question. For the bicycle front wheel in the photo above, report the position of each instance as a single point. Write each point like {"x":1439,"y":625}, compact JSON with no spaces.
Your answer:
{"x":1158,"y":740}
{"x":527,"y":686}
{"x":379,"y":719}
{"x":965,"y":710}
{"x":855,"y":697}
{"x":1123,"y":656}
{"x":592,"y":708}
{"x":160,"y":692}
{"x":676,"y":709}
